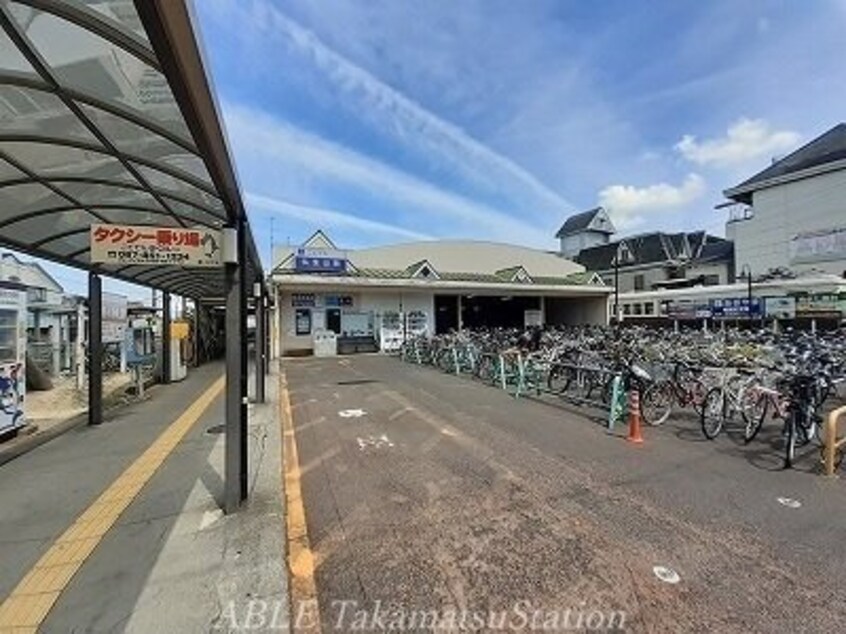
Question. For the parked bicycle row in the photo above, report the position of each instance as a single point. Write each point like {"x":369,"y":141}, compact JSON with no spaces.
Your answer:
{"x":726,"y":379}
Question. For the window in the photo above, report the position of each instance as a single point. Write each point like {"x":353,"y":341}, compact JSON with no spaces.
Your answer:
{"x":638,"y":282}
{"x":638,"y":309}
{"x":627,"y":309}
{"x":649,"y":308}
{"x":302,"y":321}
{"x":712,"y":279}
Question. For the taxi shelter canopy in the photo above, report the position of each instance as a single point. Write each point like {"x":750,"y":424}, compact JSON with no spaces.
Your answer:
{"x":106,"y":116}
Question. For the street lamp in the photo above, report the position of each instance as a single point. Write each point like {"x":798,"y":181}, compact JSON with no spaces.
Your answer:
{"x":616,"y":263}
{"x":746,"y":272}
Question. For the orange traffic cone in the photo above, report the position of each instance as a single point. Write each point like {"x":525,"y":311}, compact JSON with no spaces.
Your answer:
{"x":634,"y":418}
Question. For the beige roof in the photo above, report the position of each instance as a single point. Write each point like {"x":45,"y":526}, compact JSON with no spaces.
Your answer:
{"x":466,"y":256}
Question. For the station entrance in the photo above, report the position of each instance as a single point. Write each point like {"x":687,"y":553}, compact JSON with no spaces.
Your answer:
{"x":482,"y":311}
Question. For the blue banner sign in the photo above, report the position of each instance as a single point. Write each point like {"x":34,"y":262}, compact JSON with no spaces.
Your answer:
{"x":320,"y":261}
{"x":736,"y":307}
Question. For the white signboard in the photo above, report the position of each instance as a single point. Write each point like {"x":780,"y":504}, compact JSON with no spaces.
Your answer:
{"x":114,"y":317}
{"x":819,"y":246}
{"x":532,"y":318}
{"x":780,"y":307}
{"x":131,"y":244}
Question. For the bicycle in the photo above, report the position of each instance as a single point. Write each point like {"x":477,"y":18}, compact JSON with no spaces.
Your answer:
{"x":725,"y":403}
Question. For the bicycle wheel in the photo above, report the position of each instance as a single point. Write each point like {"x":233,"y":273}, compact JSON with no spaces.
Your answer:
{"x":559,"y":379}
{"x":808,"y":428}
{"x":790,"y":444}
{"x":656,"y":404}
{"x":697,"y":392}
{"x":755,"y":418}
{"x":714,"y":411}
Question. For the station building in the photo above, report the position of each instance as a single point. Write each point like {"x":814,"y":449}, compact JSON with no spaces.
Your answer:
{"x":372,"y":299}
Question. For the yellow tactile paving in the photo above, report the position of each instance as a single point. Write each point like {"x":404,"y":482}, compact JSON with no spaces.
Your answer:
{"x":300,"y":555}
{"x":25,"y":609}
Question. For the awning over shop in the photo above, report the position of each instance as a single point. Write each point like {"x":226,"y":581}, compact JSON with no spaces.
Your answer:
{"x":106,"y":116}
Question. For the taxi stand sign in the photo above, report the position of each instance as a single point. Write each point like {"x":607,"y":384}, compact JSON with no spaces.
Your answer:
{"x":145,"y":245}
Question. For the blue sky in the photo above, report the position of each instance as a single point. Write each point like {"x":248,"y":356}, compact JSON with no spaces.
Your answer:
{"x":387,"y":120}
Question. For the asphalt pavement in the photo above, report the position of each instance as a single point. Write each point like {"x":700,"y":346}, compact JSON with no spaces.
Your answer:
{"x":432,"y":496}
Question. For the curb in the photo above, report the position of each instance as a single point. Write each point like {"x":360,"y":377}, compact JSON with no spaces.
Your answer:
{"x":38,"y":438}
{"x":28,"y":443}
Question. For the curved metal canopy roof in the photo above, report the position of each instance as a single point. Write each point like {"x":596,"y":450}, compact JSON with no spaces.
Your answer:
{"x":106,"y":115}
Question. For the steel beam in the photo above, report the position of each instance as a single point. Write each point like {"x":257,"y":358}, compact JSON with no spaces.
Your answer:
{"x":95,"y":349}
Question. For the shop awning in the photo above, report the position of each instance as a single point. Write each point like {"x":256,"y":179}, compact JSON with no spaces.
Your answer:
{"x":106,"y":116}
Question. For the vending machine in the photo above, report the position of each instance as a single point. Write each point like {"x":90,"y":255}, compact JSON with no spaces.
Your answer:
{"x":12,"y":359}
{"x":417,"y":324}
{"x":391,"y":331}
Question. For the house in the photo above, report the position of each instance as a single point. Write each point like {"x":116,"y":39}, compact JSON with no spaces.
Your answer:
{"x":585,"y":230}
{"x":663,"y":260}
{"x":793,"y":213}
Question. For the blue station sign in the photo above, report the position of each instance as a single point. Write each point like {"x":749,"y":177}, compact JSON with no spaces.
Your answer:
{"x":320,"y":261}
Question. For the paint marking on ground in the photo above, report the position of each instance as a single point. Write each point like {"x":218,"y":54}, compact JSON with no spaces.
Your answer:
{"x":352,"y":413}
{"x":304,"y":607}
{"x":26,"y":608}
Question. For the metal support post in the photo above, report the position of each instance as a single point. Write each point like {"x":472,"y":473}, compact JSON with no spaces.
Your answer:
{"x":95,"y":349}
{"x":79,"y":346}
{"x":56,"y":345}
{"x":266,"y":305}
{"x":235,"y":463}
{"x":259,"y":344}
{"x":242,"y":341}
{"x":197,"y":335}
{"x":165,"y":337}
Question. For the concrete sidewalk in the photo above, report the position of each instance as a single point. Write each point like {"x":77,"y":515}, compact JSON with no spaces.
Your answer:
{"x":171,"y":562}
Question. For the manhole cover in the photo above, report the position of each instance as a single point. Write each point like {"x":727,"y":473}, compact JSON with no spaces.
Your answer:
{"x":667,"y":575}
{"x":216,"y":429}
{"x":357,"y":382}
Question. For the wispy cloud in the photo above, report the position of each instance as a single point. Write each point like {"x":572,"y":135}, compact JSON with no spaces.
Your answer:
{"x":745,"y":140}
{"x":627,"y":204}
{"x":328,"y":218}
{"x":268,"y":147}
{"x":418,"y":129}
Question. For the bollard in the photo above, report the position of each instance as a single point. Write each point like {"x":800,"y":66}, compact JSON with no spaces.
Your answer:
{"x":616,"y":409}
{"x":634,"y":417}
{"x":832,"y":445}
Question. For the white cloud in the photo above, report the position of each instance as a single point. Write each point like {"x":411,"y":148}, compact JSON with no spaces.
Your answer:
{"x":405,"y":120}
{"x":745,"y":140}
{"x":626,"y":203}
{"x":328,"y":218}
{"x":269,"y":150}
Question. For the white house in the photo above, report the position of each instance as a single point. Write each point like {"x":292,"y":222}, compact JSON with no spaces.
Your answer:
{"x":793,"y":214}
{"x":585,"y":230}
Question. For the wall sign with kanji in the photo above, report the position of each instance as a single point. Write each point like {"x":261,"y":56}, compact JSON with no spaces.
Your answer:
{"x":134,"y":244}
